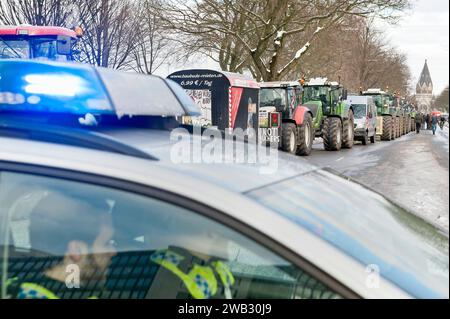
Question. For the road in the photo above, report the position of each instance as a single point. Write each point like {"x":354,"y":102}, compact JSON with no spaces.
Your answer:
{"x":412,"y":170}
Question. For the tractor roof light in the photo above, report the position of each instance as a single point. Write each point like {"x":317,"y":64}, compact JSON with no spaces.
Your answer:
{"x":78,"y":31}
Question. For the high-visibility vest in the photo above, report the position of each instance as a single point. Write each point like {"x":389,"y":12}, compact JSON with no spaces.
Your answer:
{"x":201,"y":281}
{"x":28,"y":290}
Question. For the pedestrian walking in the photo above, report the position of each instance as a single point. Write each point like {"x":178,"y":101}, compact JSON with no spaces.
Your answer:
{"x":434,"y":122}
{"x":442,"y":122}
{"x":426,"y":120}
{"x":419,"y":121}
{"x":429,"y":124}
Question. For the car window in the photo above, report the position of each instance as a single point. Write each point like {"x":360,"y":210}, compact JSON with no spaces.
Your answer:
{"x":359,"y":110}
{"x":407,"y":251}
{"x":67,"y":239}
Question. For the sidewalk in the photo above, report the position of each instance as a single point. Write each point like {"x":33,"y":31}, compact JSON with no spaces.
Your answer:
{"x":414,"y":171}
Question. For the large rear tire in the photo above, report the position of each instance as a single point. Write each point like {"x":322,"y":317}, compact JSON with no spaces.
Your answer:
{"x":348,"y":131}
{"x":387,"y":128}
{"x":394,"y":127}
{"x":305,"y":136}
{"x":289,"y":138}
{"x":332,"y":134}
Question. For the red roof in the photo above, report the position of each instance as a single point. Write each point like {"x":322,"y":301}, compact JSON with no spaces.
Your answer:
{"x":37,"y":30}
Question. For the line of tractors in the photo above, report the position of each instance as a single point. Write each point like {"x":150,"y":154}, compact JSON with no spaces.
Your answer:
{"x":293,"y":113}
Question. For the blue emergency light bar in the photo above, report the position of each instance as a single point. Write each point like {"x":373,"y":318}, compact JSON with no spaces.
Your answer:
{"x":74,"y":88}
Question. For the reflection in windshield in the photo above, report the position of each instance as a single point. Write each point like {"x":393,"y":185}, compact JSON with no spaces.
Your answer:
{"x":408,"y":251}
{"x":47,"y":49}
{"x":315,"y":93}
{"x":14,"y":49}
{"x":41,"y":48}
{"x":273,"y":97}
{"x":359,"y":111}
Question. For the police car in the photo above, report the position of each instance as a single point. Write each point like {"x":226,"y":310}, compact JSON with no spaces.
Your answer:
{"x":104,"y":195}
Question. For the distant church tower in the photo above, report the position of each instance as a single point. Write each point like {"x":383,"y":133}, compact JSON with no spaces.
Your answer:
{"x":424,"y":90}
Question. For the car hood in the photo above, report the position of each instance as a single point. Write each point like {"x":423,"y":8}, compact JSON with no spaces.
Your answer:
{"x":238,"y":176}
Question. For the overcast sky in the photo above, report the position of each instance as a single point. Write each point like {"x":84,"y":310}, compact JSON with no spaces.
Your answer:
{"x":424,"y":34}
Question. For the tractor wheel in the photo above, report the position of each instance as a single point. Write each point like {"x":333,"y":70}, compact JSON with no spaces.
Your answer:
{"x":348,"y":131}
{"x":332,"y":134}
{"x":387,"y":128}
{"x":365,"y":139}
{"x":394,"y":128}
{"x":305,"y":136}
{"x":289,"y":138}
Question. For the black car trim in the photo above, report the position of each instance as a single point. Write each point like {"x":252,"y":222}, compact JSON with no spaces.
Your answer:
{"x":192,"y":205}
{"x":68,"y":136}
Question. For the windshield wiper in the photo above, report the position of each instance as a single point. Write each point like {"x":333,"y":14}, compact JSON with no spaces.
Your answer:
{"x":11,"y":48}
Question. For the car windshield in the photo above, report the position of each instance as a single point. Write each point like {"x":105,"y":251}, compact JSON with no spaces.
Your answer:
{"x":314,"y":93}
{"x":359,"y":110}
{"x":14,"y":49}
{"x":407,"y":251}
{"x":273,"y":97}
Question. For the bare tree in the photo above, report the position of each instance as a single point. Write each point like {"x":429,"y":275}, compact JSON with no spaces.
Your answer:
{"x":262,"y":36}
{"x":441,"y":101}
{"x":36,"y":12}
{"x":109,"y":32}
{"x":358,"y":55}
{"x":155,"y":45}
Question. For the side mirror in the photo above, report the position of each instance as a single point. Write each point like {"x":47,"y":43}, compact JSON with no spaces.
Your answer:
{"x":344,"y":95}
{"x":63,"y":45}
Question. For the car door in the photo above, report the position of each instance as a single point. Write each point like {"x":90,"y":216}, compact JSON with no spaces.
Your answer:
{"x":74,"y":235}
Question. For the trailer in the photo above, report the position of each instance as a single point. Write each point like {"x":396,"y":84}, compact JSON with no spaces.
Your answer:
{"x":227,"y":100}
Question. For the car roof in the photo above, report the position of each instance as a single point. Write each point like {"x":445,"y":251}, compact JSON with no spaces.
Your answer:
{"x":355,"y":99}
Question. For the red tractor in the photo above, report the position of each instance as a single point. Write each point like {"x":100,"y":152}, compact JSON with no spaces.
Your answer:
{"x":38,"y":42}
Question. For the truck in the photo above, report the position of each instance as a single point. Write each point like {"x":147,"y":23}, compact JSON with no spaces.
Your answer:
{"x":387,"y":117}
{"x":283,"y":121}
{"x":333,"y":118}
{"x":38,"y":42}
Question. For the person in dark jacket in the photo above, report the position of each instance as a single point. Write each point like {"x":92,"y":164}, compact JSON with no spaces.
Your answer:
{"x":419,"y":121}
{"x":434,"y":122}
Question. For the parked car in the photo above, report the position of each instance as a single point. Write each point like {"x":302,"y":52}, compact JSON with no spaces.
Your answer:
{"x":91,"y":183}
{"x":365,"y":111}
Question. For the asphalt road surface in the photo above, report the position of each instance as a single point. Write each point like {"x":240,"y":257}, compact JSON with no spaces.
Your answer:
{"x":412,"y":170}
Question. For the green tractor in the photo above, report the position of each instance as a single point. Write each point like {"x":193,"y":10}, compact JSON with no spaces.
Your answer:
{"x":333,"y":119}
{"x":388,"y":117}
